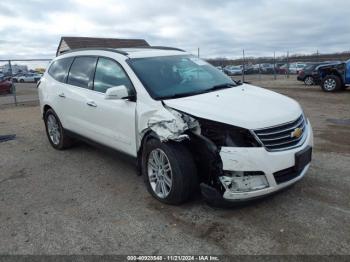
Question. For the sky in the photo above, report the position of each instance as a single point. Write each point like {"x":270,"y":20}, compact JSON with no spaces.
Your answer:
{"x":220,"y":28}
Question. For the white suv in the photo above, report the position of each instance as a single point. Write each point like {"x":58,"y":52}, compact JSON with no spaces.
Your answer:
{"x":187,"y":123}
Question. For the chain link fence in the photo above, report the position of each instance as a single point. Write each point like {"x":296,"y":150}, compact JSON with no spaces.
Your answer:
{"x":277,"y":66}
{"x":18,"y":78}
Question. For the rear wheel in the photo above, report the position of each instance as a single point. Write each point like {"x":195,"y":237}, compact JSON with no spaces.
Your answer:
{"x":309,"y":81}
{"x":169,"y":171}
{"x":331,"y":83}
{"x":55,"y":132}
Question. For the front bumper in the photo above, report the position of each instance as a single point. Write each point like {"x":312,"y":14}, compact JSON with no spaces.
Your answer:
{"x":259,"y":159}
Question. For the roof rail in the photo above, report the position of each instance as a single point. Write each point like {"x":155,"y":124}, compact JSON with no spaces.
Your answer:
{"x":161,"y":48}
{"x":95,"y":48}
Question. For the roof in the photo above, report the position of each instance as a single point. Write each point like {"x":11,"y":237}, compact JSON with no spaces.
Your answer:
{"x":70,"y":43}
{"x":140,"y":52}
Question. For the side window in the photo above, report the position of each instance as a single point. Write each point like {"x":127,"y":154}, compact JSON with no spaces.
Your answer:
{"x":59,"y":69}
{"x":109,"y":74}
{"x":82,"y":71}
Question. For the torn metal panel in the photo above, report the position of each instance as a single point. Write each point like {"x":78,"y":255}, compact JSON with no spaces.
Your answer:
{"x":169,"y":124}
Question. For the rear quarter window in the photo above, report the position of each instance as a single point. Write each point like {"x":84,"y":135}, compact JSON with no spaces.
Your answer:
{"x":59,"y":69}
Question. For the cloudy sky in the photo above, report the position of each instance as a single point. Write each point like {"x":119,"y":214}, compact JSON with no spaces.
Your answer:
{"x":221,"y":28}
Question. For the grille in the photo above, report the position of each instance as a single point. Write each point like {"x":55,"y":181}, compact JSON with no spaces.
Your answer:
{"x":280,"y":137}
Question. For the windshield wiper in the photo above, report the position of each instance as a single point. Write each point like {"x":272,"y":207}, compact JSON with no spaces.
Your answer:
{"x":173,"y":96}
{"x":221,"y":86}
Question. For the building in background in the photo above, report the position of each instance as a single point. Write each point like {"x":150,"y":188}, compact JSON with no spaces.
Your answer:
{"x":70,"y":43}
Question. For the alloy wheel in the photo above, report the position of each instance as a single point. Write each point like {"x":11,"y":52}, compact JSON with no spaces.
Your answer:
{"x":159,"y":173}
{"x":53,"y":129}
{"x":309,"y":81}
{"x":330,"y":84}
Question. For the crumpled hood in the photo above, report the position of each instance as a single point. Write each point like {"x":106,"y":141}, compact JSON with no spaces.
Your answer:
{"x":244,"y":106}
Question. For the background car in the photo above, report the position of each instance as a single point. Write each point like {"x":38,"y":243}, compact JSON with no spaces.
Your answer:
{"x":5,"y":85}
{"x":295,"y":68}
{"x":27,"y":78}
{"x":249,"y":69}
{"x":266,"y":68}
{"x":220,"y":68}
{"x":310,"y":75}
{"x":233,"y":70}
{"x":334,"y":76}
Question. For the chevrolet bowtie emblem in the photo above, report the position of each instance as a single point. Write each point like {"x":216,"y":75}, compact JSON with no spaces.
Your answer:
{"x":296,"y":133}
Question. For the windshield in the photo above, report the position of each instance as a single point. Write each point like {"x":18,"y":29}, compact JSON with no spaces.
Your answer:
{"x":178,"y":76}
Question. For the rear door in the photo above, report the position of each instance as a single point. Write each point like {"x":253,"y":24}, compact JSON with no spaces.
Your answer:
{"x":76,"y":94}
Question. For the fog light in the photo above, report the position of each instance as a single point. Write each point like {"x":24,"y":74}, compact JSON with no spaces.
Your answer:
{"x":238,"y":182}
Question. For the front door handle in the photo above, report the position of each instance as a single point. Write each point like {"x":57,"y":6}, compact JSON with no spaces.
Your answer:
{"x":62,"y":95}
{"x":91,"y":103}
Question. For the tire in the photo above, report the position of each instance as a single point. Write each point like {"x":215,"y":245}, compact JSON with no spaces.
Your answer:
{"x":21,"y":81}
{"x":331,"y":83}
{"x":309,"y":81}
{"x":15,"y":80}
{"x":181,"y":171}
{"x":61,"y":141}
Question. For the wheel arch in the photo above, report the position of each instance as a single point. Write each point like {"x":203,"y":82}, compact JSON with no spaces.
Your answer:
{"x":45,"y":108}
{"x":334,"y":72}
{"x":149,"y":134}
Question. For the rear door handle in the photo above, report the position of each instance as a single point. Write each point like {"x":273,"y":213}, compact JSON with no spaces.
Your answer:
{"x":91,"y":103}
{"x":61,"y":95}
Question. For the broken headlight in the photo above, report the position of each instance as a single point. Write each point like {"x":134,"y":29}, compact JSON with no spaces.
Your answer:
{"x":227,"y":135}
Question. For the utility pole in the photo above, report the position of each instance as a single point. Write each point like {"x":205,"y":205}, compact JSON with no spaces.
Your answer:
{"x":198,"y":52}
{"x":287,"y":64}
{"x":274,"y":65}
{"x":243,"y":67}
{"x":13,"y":86}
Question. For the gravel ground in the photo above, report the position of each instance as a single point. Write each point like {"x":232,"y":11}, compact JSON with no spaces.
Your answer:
{"x":90,"y":201}
{"x":25,"y":93}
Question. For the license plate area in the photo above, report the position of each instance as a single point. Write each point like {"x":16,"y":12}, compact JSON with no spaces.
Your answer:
{"x":302,"y":158}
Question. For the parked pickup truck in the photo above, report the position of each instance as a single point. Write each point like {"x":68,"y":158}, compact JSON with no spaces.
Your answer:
{"x":335,"y":77}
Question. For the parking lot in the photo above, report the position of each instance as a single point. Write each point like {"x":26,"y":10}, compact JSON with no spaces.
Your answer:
{"x":88,"y":200}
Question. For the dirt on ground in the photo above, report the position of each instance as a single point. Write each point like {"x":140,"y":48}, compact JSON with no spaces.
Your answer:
{"x":87,"y":200}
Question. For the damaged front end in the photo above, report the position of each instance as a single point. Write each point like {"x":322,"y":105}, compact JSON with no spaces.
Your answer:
{"x":208,"y":140}
{"x":221,"y":175}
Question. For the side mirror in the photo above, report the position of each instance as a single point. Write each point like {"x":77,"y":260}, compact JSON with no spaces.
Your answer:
{"x":117,"y":92}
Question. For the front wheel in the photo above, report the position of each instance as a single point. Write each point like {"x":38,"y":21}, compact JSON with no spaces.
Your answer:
{"x":21,"y":81}
{"x":309,"y":81}
{"x":331,"y":83}
{"x":169,"y":171}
